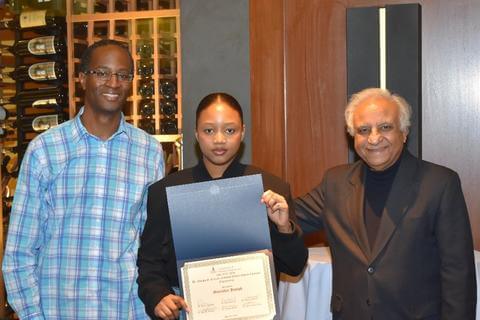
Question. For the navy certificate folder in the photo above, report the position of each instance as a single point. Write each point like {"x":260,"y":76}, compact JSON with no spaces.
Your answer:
{"x":218,"y":217}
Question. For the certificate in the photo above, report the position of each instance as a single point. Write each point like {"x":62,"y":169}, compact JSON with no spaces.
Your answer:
{"x":229,"y":288}
{"x":218,"y":218}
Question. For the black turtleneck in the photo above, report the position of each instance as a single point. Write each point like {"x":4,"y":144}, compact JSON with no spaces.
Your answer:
{"x":377,"y":189}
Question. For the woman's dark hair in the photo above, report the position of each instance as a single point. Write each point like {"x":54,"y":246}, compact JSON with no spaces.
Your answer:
{"x":218,"y":97}
{"x":87,"y":54}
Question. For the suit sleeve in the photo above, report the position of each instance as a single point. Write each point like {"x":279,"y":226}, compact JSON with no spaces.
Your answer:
{"x":455,"y":246}
{"x":155,"y":250}
{"x":309,"y":208}
{"x":289,"y":251}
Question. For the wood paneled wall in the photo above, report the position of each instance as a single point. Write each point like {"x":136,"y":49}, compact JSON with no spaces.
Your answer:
{"x":315,"y":90}
{"x":297,"y":104}
{"x":451,"y":94}
{"x":298,"y":72}
{"x":267,"y":85}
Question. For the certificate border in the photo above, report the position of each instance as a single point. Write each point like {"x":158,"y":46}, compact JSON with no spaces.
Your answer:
{"x":232,"y":259}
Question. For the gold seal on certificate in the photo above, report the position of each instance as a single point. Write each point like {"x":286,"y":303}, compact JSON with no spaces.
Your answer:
{"x":230,"y":288}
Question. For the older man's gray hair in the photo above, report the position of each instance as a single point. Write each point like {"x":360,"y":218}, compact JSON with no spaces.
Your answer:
{"x":405,"y":111}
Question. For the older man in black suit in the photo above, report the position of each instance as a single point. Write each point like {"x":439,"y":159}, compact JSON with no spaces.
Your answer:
{"x":397,"y":226}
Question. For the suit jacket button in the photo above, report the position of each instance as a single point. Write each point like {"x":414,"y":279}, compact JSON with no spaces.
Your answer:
{"x":371,"y":270}
{"x":369,"y":302}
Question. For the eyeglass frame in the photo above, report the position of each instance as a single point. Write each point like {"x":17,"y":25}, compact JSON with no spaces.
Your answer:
{"x":119,"y":75}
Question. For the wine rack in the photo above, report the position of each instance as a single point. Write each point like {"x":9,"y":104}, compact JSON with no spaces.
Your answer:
{"x":151,"y":29}
{"x":33,"y":60}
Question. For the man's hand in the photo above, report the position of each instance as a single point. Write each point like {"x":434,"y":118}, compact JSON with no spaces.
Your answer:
{"x":169,"y":307}
{"x":277,"y":209}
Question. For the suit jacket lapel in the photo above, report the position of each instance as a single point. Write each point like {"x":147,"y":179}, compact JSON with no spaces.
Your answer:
{"x":400,"y":198}
{"x":355,"y":207}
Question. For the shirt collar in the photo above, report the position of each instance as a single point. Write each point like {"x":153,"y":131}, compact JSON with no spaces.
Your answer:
{"x":79,"y":130}
{"x":235,"y":169}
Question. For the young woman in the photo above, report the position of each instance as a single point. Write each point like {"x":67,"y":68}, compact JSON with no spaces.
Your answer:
{"x":219,"y":132}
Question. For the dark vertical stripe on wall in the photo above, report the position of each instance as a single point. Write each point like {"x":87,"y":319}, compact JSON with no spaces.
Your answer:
{"x":404,"y":63}
{"x":363,"y":54}
{"x":363,"y":57}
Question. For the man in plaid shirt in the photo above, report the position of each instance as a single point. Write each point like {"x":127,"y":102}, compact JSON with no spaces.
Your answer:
{"x":79,"y":205}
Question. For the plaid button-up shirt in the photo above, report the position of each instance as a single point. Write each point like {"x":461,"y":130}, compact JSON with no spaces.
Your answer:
{"x":74,"y":229}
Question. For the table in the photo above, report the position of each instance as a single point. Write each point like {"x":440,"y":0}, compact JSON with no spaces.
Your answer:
{"x":308,"y":297}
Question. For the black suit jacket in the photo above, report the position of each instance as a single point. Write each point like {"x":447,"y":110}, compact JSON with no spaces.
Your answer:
{"x":156,"y":257}
{"x":421,"y":265}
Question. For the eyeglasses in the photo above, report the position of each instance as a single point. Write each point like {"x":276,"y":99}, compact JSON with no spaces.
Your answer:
{"x":106,"y":75}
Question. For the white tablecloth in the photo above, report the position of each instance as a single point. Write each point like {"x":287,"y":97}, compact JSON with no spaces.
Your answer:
{"x":308,"y":297}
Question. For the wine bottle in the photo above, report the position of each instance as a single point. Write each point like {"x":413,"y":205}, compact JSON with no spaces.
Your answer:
{"x":148,"y":125}
{"x":80,"y":30}
{"x":79,"y":49}
{"x":168,"y":66}
{"x":10,"y":164}
{"x":121,"y":29}
{"x":35,"y":19}
{"x":42,"y":98}
{"x":168,"y":108}
{"x":146,"y":88}
{"x":101,"y":30}
{"x":42,"y":71}
{"x":168,"y":88}
{"x":4,"y":132}
{"x":168,"y":126}
{"x":167,"y":46}
{"x":145,"y":67}
{"x":6,"y":159}
{"x":3,"y":113}
{"x":5,"y":78}
{"x":147,"y":108}
{"x":7,"y":60}
{"x":39,"y":46}
{"x":120,"y":5}
{"x":142,"y":5}
{"x":166,"y":4}
{"x":40,"y":123}
{"x":145,"y":49}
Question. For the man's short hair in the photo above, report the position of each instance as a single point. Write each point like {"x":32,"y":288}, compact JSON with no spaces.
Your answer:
{"x":87,"y":54}
{"x":405,"y":110}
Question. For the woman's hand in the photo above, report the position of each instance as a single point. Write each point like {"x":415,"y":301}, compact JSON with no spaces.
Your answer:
{"x":277,"y":209}
{"x":169,"y":307}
